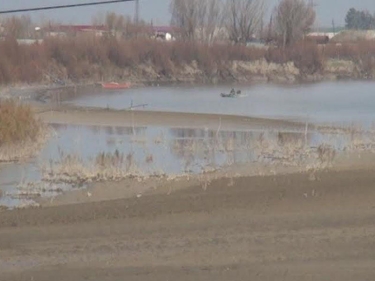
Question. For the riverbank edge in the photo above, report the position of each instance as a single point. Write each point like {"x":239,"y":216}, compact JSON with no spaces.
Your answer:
{"x":233,"y":73}
{"x":138,"y":187}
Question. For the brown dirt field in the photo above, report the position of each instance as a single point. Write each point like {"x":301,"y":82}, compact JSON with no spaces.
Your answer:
{"x":284,"y":227}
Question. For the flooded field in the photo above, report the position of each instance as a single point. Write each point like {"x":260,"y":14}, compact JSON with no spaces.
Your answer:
{"x":76,"y":155}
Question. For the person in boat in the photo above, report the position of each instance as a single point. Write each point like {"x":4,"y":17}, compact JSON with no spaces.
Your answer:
{"x":239,"y":92}
{"x":232,"y":92}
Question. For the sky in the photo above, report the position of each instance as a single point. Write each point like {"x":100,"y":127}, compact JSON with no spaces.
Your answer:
{"x":158,"y":10}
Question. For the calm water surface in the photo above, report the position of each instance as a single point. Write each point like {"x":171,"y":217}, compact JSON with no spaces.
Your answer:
{"x":173,"y":151}
{"x":338,"y":102}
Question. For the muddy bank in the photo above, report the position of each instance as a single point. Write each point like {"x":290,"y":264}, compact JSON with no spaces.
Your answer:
{"x":125,"y":118}
{"x":92,"y":116}
{"x":263,"y":227}
{"x":138,"y":187}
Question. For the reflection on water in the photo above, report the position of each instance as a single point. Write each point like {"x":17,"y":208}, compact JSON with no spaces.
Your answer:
{"x":110,"y":131}
{"x":161,"y":150}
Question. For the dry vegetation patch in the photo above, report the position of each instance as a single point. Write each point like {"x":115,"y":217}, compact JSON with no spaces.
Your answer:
{"x":21,"y":134}
{"x":89,"y":59}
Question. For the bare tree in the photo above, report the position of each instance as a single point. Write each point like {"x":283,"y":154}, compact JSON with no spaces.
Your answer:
{"x":293,"y":18}
{"x":18,"y":27}
{"x":134,"y":29}
{"x":244,"y":19}
{"x":210,"y":18}
{"x":201,"y":13}
{"x":185,"y":17}
{"x":114,"y":22}
{"x":197,"y":18}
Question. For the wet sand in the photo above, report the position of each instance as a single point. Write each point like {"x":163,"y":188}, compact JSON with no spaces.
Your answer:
{"x":103,"y":117}
{"x":283,"y":227}
{"x":133,"y":187}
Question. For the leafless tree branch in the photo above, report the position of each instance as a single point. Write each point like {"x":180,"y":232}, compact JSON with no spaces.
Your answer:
{"x":197,"y":19}
{"x":244,"y":19}
{"x":293,"y":18}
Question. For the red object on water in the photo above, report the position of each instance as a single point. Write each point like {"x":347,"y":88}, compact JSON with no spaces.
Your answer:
{"x":113,"y":85}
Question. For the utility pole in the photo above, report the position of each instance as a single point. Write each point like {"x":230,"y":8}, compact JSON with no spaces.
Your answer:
{"x":136,"y":16}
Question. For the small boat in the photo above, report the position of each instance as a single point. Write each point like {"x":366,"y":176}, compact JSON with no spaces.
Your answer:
{"x":114,"y":85}
{"x":228,"y":95}
{"x":232,"y":94}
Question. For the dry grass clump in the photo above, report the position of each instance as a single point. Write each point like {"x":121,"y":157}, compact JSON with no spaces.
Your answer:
{"x":306,"y":56}
{"x":361,"y":141}
{"x":21,"y":63}
{"x":71,"y":168}
{"x":361,"y":53}
{"x":17,"y":123}
{"x":21,"y":134}
{"x":326,"y":153}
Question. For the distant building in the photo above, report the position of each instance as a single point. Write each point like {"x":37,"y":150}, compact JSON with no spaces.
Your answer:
{"x":74,"y":30}
{"x":166,"y":33}
{"x":354,"y":36}
{"x":330,"y":35}
{"x":320,"y":38}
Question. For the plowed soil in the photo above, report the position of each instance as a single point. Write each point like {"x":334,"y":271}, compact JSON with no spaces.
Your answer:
{"x":284,"y":227}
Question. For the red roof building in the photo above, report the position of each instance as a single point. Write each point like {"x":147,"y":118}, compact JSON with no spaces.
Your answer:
{"x":63,"y":30}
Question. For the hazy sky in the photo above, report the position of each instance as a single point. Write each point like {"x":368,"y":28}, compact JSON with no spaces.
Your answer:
{"x":158,"y":10}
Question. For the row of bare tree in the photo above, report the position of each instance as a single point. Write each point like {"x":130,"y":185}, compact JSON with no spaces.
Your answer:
{"x":241,"y":20}
{"x":22,"y":27}
{"x":125,"y":26}
{"x":207,"y":20}
{"x":18,"y":27}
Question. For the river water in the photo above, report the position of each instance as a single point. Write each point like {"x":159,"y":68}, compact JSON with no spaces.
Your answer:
{"x":332,"y":102}
{"x":165,"y":150}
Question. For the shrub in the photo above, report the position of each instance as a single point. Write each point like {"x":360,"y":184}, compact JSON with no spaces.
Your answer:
{"x":306,"y":57}
{"x":17,"y":123}
{"x":361,"y":53}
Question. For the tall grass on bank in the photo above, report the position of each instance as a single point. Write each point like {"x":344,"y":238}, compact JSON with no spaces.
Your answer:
{"x":92,"y":58}
{"x":17,"y":123}
{"x":20,"y":131}
{"x":362,"y":53}
{"x":71,"y":168}
{"x":89,"y":57}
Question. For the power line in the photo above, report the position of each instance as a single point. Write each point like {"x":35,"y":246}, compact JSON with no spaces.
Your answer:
{"x":63,"y":6}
